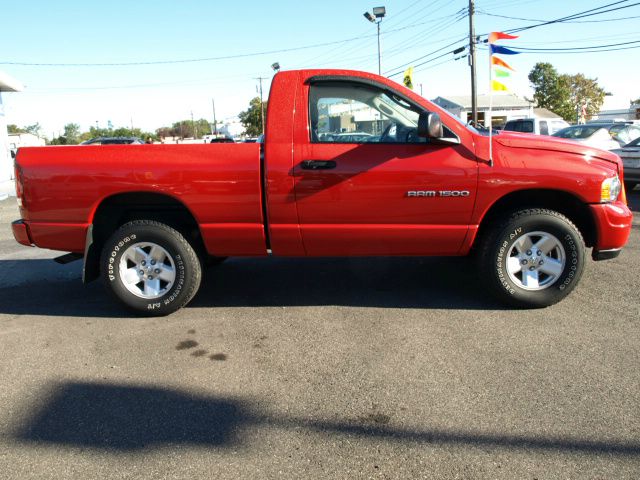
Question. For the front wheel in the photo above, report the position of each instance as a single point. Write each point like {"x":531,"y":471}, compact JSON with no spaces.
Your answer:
{"x":532,"y":260}
{"x":150,"y":267}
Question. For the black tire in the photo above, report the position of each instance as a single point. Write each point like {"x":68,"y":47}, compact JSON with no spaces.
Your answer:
{"x":548,"y":272}
{"x":169,"y":275}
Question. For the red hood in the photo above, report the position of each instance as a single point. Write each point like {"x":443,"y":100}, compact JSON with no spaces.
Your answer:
{"x":554,"y":144}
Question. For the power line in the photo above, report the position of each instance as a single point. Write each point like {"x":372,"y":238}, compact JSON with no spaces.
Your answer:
{"x":586,"y":13}
{"x":566,"y":21}
{"x":572,"y":49}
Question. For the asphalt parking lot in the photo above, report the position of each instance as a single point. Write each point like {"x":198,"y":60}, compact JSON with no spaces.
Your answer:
{"x":331,"y":368}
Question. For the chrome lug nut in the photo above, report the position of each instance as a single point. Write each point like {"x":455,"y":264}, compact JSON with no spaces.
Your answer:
{"x":143,"y":263}
{"x":157,"y":271}
{"x":524,"y":262}
{"x":528,"y":252}
{"x":150,"y":277}
{"x":153,"y":262}
{"x":532,"y":268}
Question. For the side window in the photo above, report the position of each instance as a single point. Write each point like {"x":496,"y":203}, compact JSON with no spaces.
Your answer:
{"x":342,"y":112}
{"x":527,"y":126}
{"x":544,"y":129}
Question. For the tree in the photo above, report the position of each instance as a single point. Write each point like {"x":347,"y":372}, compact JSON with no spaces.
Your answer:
{"x":252,"y":117}
{"x":585,"y":92}
{"x":565,"y":94}
{"x":185,"y":129}
{"x":11,"y":128}
{"x":72,"y":133}
{"x":34,"y":129}
{"x":551,"y":91}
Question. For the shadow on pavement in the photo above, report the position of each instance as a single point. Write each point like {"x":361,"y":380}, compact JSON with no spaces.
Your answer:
{"x":128,"y":418}
{"x":42,"y":287}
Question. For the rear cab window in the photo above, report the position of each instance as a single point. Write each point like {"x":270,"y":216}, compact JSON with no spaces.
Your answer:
{"x":524,"y":126}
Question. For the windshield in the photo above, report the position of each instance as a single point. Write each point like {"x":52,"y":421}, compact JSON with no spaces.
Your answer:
{"x":635,"y":143}
{"x":583,"y":131}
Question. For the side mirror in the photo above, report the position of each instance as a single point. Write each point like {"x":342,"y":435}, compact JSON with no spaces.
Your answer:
{"x":430,"y":125}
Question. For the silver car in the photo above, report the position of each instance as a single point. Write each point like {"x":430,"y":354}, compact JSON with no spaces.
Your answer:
{"x":607,"y":136}
{"x":630,"y":155}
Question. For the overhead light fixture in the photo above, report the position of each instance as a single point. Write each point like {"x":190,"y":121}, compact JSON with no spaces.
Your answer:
{"x":275,"y":66}
{"x":369,"y":17}
{"x":379,"y":12}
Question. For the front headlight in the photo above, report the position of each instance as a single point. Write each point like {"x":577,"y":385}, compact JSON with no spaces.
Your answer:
{"x":610,"y":190}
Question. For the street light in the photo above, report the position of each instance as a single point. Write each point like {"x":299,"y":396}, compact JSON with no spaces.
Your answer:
{"x":378,"y":14}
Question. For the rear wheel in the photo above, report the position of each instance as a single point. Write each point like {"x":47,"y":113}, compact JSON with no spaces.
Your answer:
{"x":150,"y":267}
{"x":534,"y":259}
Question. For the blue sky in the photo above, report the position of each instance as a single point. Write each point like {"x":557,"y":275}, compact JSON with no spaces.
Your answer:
{"x":337,"y":34}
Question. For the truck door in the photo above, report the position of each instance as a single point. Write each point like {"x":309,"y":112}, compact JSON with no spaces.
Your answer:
{"x":366,"y":184}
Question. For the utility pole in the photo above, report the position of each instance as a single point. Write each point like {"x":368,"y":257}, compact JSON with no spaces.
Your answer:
{"x":261,"y":102}
{"x":472,"y":64}
{"x":379,"y":53}
{"x":215,"y":123}
{"x":193,"y":127}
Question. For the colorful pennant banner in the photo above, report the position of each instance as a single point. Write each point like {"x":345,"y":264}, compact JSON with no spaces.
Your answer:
{"x":499,"y":62}
{"x":493,"y":36}
{"x":499,"y":68}
{"x":408,"y":78}
{"x":502,"y":50}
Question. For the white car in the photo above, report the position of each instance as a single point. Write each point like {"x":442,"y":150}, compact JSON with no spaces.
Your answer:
{"x":606,"y":136}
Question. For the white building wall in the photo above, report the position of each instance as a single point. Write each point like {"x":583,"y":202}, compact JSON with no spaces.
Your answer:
{"x":6,"y":162}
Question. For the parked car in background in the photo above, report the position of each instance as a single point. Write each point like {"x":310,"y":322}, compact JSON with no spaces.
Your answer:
{"x":537,"y":126}
{"x":113,"y":141}
{"x":222,"y":140}
{"x":630,"y":155}
{"x":607,"y":136}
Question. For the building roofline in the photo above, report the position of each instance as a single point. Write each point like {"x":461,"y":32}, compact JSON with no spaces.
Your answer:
{"x":9,"y":84}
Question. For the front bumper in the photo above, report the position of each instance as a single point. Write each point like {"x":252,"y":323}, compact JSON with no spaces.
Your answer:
{"x":613,"y":226}
{"x":21,"y":233}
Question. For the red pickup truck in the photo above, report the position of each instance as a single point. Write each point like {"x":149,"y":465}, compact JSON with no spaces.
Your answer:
{"x":352,"y":164}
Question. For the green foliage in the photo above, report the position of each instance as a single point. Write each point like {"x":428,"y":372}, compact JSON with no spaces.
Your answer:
{"x":34,"y":129}
{"x":585,"y":91}
{"x":11,"y":128}
{"x":72,"y":133}
{"x":252,"y":117}
{"x":186,"y":129}
{"x":551,"y":92}
{"x":635,"y":102}
{"x":565,"y":94}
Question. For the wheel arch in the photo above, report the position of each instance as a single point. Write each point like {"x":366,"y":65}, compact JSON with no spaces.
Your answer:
{"x":562,"y":202}
{"x":116,"y":210}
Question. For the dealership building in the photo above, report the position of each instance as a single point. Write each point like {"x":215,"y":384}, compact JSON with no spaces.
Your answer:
{"x":7,"y":84}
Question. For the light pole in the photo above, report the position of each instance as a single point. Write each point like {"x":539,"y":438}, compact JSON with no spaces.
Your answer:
{"x":378,"y":14}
